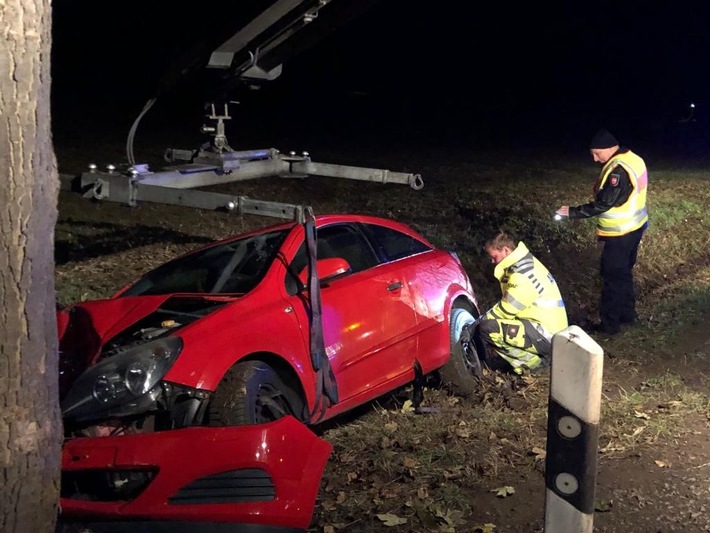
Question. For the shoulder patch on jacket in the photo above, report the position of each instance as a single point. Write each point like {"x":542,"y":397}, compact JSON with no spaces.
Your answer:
{"x":614,"y":180}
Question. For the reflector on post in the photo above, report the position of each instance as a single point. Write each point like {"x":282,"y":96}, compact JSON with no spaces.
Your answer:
{"x":572,"y":431}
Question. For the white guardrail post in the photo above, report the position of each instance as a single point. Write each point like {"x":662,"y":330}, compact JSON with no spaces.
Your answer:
{"x":572,"y":431}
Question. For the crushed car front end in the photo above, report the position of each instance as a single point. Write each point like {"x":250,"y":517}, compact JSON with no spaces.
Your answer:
{"x":264,"y":477}
{"x":138,"y":453}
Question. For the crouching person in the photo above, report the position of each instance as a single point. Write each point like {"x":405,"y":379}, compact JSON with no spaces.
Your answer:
{"x":520,"y":326}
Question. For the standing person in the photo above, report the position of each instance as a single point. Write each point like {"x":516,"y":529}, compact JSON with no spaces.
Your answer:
{"x":619,"y":206}
{"x":531,"y":310}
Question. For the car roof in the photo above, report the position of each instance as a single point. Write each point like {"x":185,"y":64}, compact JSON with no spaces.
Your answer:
{"x":324,"y":220}
{"x":321,"y":220}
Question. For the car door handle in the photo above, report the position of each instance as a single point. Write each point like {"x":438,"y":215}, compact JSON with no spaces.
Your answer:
{"x":394,"y":286}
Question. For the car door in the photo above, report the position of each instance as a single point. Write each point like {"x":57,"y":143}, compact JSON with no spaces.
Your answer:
{"x":368,"y":316}
{"x":428,"y":278}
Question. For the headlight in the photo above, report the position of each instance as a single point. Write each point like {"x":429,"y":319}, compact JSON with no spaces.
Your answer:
{"x":124,"y":384}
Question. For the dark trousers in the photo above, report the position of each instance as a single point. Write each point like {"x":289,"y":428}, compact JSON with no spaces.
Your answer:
{"x":618,"y":298}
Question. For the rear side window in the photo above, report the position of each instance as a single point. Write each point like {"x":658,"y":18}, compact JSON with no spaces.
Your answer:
{"x":394,"y":244}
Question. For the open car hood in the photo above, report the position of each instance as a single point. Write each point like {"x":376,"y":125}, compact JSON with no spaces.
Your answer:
{"x":90,"y":331}
{"x":110,"y":316}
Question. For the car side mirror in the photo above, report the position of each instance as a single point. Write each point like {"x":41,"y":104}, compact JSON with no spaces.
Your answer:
{"x":328,"y":269}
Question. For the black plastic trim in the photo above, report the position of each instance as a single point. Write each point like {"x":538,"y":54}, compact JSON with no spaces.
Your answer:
{"x":233,"y":486}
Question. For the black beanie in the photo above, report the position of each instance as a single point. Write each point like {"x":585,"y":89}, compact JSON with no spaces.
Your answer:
{"x":603,"y":139}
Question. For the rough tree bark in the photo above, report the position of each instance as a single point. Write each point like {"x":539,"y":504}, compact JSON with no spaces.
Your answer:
{"x":30,"y":424}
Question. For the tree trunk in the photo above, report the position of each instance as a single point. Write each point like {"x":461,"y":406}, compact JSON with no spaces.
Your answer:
{"x":30,"y":423}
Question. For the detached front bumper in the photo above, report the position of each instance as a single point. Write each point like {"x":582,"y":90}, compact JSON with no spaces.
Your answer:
{"x":249,"y":478}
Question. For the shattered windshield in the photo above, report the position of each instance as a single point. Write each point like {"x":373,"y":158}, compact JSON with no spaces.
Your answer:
{"x":232,"y":268}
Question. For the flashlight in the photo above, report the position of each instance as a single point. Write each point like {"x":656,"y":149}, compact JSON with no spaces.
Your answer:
{"x":557,"y":216}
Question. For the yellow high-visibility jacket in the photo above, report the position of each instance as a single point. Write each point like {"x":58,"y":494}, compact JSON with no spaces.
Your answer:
{"x":529,"y":292}
{"x":632,"y":214}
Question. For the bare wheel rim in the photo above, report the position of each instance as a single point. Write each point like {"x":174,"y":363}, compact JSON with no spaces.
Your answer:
{"x":462,"y":319}
{"x":270,"y":404}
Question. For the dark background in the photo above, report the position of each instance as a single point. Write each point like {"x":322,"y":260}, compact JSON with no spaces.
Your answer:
{"x":528,"y":76}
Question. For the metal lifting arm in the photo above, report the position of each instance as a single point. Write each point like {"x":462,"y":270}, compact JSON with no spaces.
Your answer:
{"x":126,"y":189}
{"x":247,"y":52}
{"x":258,"y":49}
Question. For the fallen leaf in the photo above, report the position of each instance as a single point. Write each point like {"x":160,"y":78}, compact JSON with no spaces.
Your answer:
{"x":427,"y":518}
{"x":504,"y":491}
{"x":410,"y":463}
{"x":390,"y":493}
{"x":612,"y":448}
{"x":391,"y":426}
{"x":662,"y":464}
{"x":341,"y":497}
{"x":602,"y":506}
{"x":463,"y":432}
{"x":347,"y":457}
{"x":329,"y":505}
{"x":390,"y":519}
{"x":452,"y":473}
{"x":328,"y":529}
{"x":485,"y":528}
{"x":638,"y":430}
{"x":539,"y":453}
{"x":407,"y":407}
{"x":450,"y":516}
{"x":641,"y":414}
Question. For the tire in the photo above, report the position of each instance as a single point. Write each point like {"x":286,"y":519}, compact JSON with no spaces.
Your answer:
{"x":251,"y":392}
{"x":462,"y":372}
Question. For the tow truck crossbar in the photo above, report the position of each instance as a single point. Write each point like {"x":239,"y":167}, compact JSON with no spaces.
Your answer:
{"x":113,"y":187}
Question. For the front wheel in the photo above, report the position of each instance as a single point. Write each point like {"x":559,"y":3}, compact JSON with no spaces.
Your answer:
{"x":461,"y":373}
{"x":252,"y":392}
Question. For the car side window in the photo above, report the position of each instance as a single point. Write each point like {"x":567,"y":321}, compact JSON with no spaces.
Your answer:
{"x":394,"y":244}
{"x":348,"y":243}
{"x":340,"y":240}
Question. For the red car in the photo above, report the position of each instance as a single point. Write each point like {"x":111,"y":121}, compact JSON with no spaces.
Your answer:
{"x":187,"y":396}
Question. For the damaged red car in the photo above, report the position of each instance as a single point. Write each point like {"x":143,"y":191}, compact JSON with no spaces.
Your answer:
{"x":188,"y":397}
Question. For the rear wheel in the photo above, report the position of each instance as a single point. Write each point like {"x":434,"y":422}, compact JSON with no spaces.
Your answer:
{"x":460,"y":374}
{"x":251,"y":392}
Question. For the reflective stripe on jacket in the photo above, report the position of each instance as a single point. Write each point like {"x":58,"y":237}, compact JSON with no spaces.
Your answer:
{"x":632,"y":214}
{"x":529,"y":292}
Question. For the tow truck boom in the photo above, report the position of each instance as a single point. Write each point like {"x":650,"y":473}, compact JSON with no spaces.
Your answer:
{"x":252,"y":55}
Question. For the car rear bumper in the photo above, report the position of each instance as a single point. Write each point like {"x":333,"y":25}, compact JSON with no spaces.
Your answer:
{"x":250,"y":478}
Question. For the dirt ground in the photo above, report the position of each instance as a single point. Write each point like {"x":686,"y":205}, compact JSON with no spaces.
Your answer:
{"x":660,"y":487}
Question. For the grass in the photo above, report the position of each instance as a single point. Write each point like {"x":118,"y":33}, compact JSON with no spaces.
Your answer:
{"x":431,"y":470}
{"x":658,"y":408}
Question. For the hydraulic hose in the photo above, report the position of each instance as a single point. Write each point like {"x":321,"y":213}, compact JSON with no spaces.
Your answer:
{"x":132,"y":131}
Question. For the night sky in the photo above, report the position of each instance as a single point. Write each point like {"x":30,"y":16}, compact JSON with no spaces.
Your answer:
{"x":506,"y":74}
